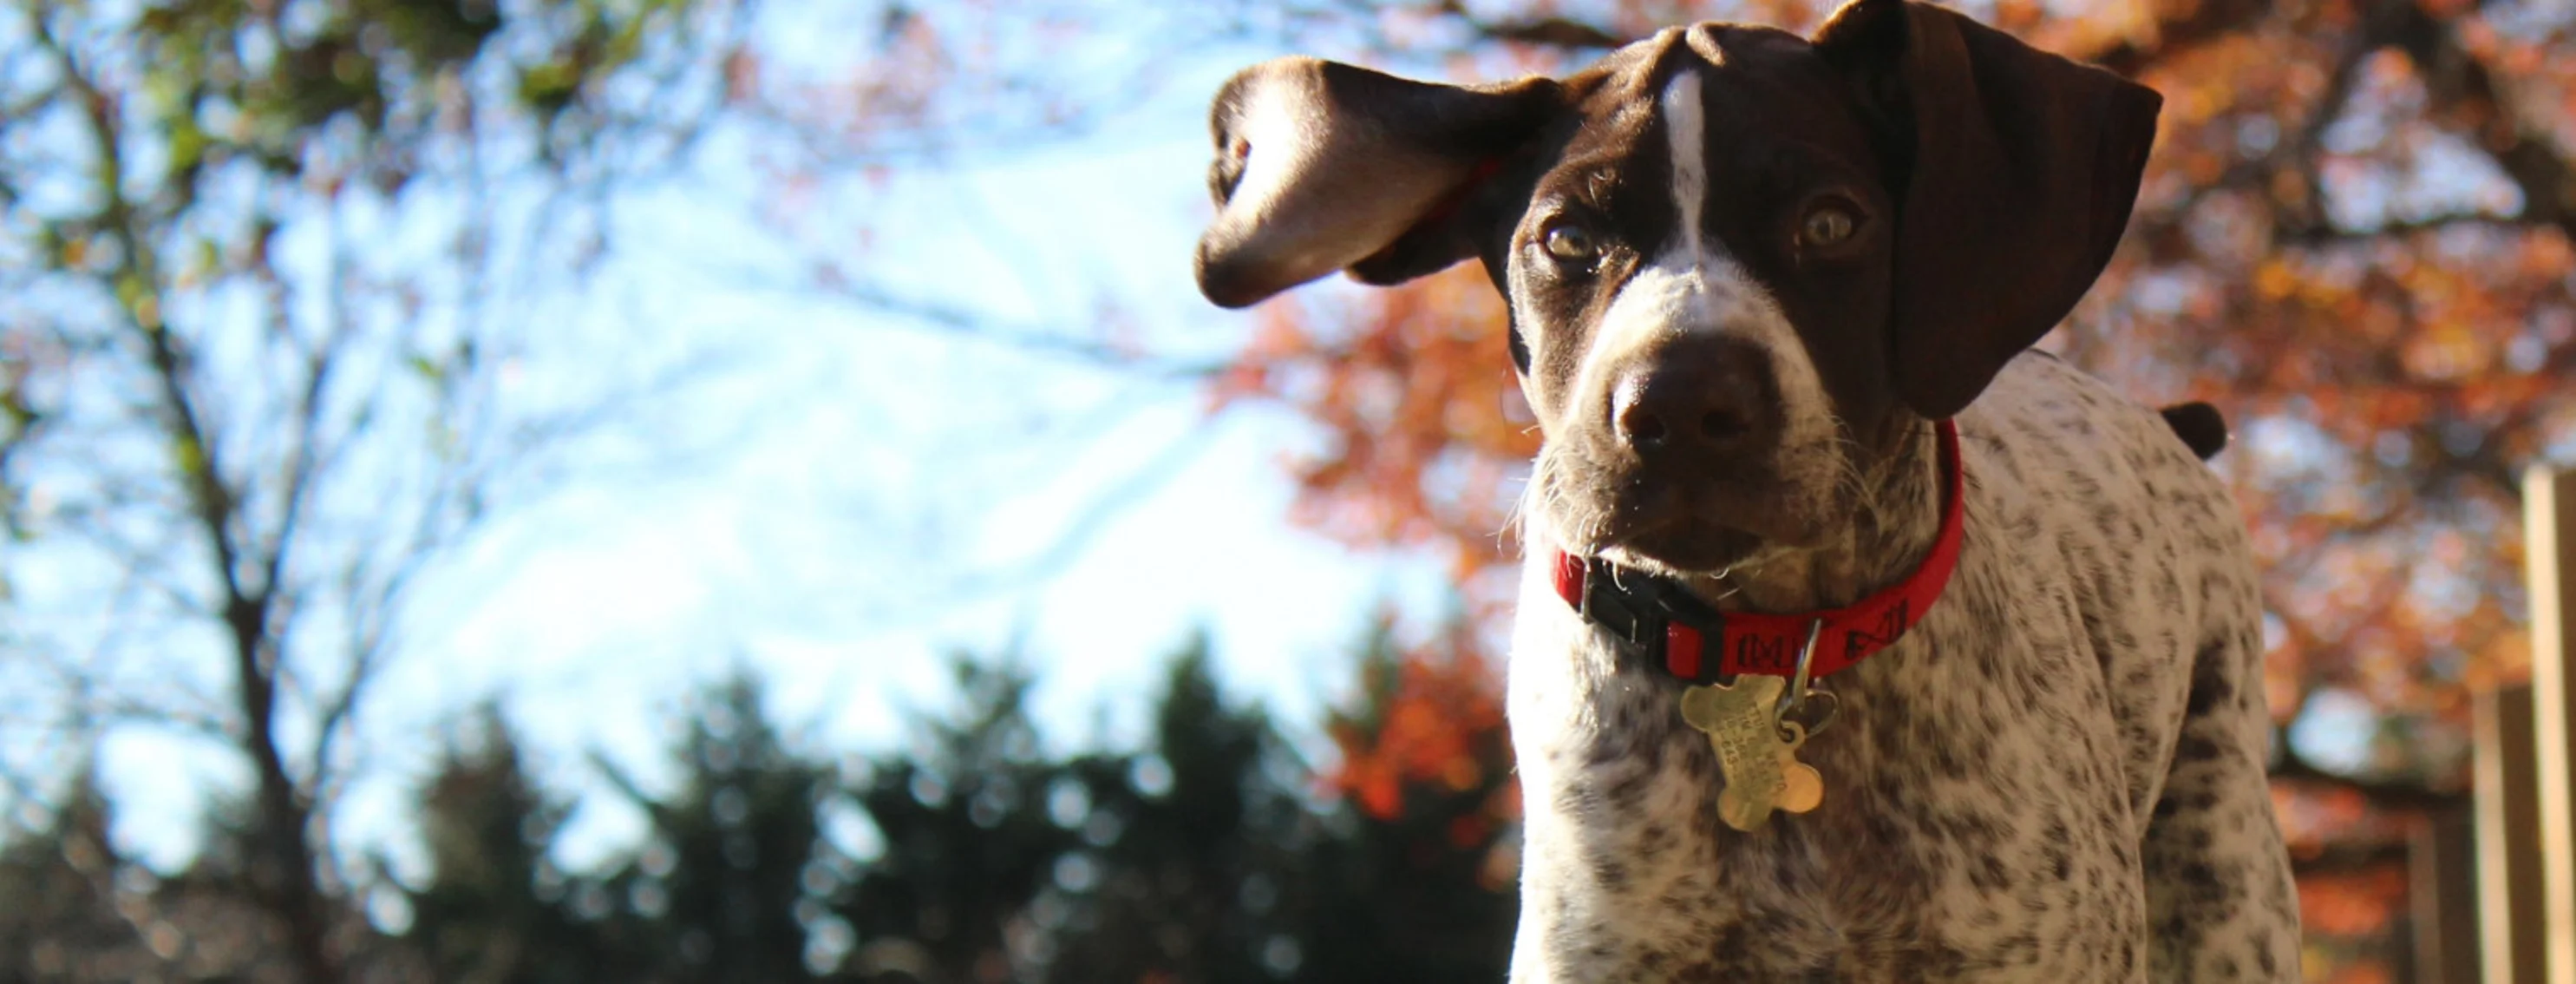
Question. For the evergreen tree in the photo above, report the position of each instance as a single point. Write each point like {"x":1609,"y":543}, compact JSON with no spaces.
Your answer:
{"x":1209,"y":854}
{"x":732,"y":880}
{"x":487,"y":913}
{"x":968,"y":849}
{"x":1196,"y":841}
{"x":1415,"y":880}
{"x":1212,"y":854}
{"x":58,"y":918}
{"x":72,"y":910}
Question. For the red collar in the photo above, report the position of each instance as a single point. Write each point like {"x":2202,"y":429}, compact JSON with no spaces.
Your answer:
{"x":1657,"y":613}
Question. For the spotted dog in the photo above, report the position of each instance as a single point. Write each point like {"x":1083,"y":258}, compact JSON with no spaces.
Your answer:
{"x":1772,"y":300}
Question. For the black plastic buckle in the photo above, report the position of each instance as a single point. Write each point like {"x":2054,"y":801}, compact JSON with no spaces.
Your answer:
{"x":1639,"y":611}
{"x":1634,"y":618}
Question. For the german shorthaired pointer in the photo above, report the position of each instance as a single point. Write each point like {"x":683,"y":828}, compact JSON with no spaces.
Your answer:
{"x":1771,"y":299}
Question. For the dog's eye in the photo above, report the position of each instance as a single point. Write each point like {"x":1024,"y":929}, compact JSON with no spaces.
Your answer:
{"x":1571,"y":244}
{"x":1827,"y":225}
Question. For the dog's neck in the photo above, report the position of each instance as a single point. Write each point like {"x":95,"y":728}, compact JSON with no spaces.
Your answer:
{"x":1896,"y":515}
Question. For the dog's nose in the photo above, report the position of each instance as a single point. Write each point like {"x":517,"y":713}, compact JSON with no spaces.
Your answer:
{"x":1694,"y":398}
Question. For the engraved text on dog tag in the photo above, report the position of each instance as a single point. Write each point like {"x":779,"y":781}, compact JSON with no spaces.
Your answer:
{"x":1761,"y":766}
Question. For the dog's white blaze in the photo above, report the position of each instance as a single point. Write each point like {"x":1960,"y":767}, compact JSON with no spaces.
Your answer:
{"x":1694,"y":287}
{"x":1675,"y":293}
{"x":1687,"y":130}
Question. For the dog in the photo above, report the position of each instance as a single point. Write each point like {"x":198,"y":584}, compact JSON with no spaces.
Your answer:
{"x":1857,"y":640}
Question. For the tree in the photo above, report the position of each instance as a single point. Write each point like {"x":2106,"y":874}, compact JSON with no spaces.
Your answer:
{"x":242,"y":411}
{"x":72,"y":909}
{"x":494,"y":907}
{"x":968,"y":848}
{"x":1205,"y":854}
{"x":1210,"y":854}
{"x":732,"y":882}
{"x":58,"y":912}
{"x":1419,"y":881}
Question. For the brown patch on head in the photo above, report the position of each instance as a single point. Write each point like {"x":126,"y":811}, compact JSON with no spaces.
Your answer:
{"x":1691,"y":173}
{"x":1881,"y":218}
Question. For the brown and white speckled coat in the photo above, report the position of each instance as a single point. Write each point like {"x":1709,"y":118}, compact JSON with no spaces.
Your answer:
{"x":1746,"y":270}
{"x":2056,"y":776}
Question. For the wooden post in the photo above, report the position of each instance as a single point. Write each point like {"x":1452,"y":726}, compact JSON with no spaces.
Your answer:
{"x":2512,"y":949}
{"x":2549,"y":555}
{"x":2441,"y":875}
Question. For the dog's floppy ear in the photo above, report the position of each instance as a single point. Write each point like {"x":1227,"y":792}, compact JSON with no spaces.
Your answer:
{"x":1323,"y":166}
{"x":2017,"y":170}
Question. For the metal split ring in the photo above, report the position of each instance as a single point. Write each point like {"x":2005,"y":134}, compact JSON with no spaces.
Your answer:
{"x":1802,"y":706}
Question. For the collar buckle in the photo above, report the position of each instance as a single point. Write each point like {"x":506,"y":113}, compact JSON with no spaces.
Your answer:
{"x":1627,"y":616}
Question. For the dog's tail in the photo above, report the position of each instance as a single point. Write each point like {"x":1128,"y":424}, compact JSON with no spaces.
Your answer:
{"x":2199,"y":425}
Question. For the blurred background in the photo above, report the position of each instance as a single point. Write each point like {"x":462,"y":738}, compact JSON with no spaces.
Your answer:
{"x":675,"y":490}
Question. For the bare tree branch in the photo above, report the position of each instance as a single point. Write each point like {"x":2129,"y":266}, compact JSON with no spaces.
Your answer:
{"x":248,"y":477}
{"x":968,"y":324}
{"x":285,"y":874}
{"x":1544,"y":31}
{"x":2312,"y":237}
{"x":2382,"y":794}
{"x":2464,"y":86}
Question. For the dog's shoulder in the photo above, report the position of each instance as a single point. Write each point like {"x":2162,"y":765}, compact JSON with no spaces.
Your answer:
{"x":2076,"y":479}
{"x":2083,"y":470}
{"x":2062,"y":437}
{"x":2096,"y":489}
{"x":2046,"y":397}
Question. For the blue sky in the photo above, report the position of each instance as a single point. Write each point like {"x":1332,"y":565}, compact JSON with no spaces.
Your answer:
{"x":848,"y":497}
{"x":840,"y":497}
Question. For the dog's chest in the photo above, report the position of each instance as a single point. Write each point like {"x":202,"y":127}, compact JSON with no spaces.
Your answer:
{"x":1984,"y":783}
{"x":1962,"y":824}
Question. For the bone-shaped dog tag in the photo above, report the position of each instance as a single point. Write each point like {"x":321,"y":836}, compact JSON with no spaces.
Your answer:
{"x":1762,"y":768}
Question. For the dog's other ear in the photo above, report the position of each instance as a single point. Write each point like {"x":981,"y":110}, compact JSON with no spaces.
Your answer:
{"x":2200,"y":426}
{"x":2016,"y":170}
{"x":1322,"y":166}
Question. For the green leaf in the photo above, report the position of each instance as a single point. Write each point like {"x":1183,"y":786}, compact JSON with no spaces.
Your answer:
{"x":188,"y":456}
{"x":548,"y":88}
{"x":187,"y":145}
{"x":429,"y":372}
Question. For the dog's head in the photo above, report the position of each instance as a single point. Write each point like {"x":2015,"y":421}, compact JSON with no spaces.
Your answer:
{"x":1741,"y":264}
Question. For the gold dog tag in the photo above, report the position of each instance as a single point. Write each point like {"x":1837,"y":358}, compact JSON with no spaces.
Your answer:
{"x":1762,"y":769}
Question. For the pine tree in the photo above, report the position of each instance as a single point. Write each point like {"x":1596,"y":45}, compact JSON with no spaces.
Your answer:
{"x":1196,"y":841}
{"x":968,"y":845}
{"x":58,"y":918}
{"x":487,"y":913}
{"x":73,"y":910}
{"x":1212,"y":854}
{"x":728,"y":886}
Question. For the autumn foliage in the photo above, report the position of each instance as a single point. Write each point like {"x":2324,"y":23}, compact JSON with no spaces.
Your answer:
{"x":1428,"y":428}
{"x":1433,"y":719}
